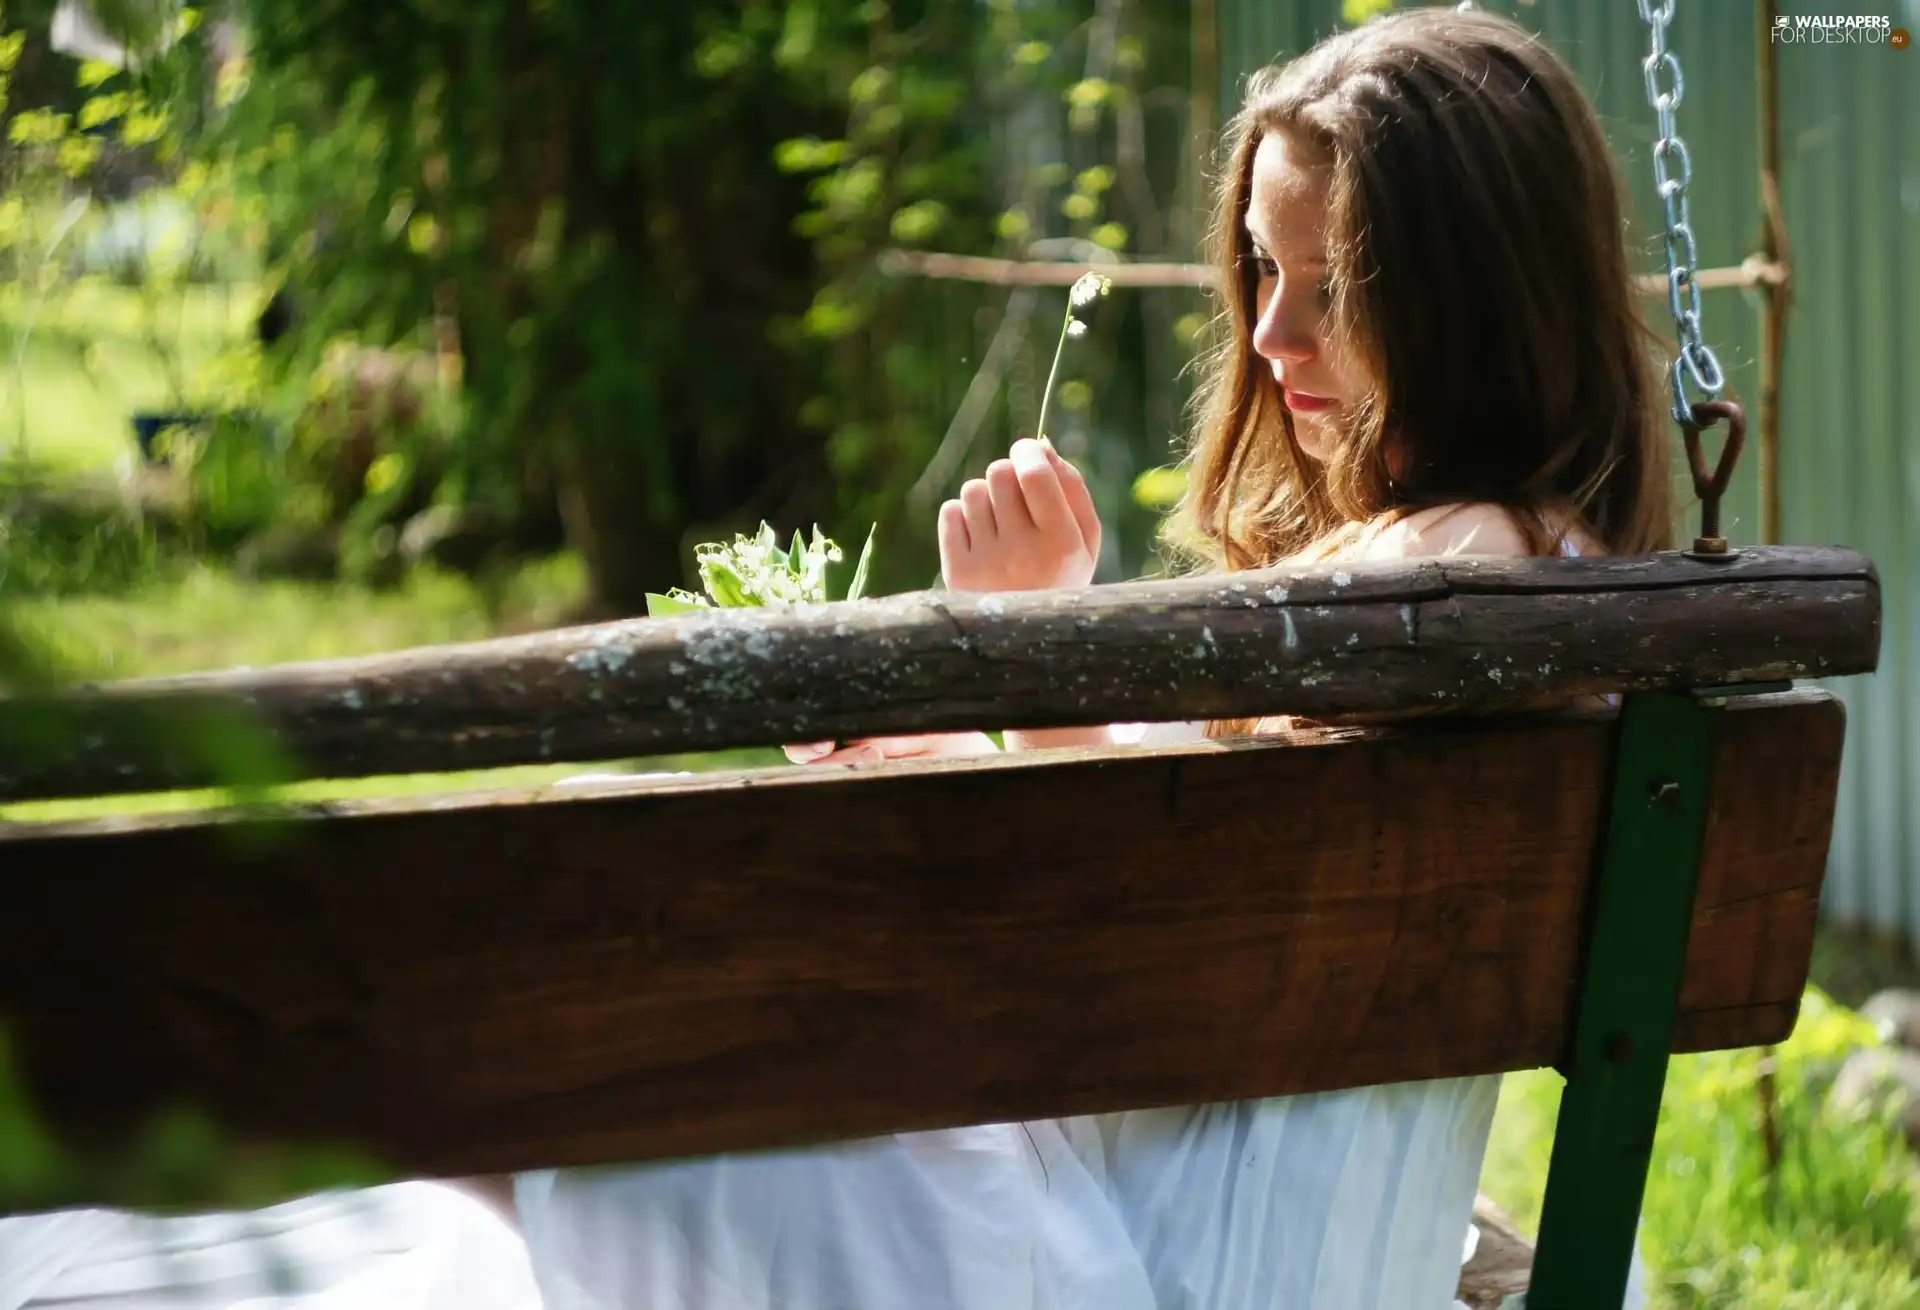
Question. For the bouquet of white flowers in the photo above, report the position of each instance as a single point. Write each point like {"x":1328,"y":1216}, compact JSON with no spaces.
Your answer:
{"x":756,"y":571}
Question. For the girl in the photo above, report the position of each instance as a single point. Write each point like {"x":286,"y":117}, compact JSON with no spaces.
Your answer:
{"x":1430,"y":347}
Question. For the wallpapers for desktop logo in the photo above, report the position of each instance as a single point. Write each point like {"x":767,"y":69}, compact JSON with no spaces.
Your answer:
{"x":1839,"y":29}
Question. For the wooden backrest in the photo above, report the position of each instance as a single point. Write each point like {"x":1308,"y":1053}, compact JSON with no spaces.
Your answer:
{"x":644,"y":969}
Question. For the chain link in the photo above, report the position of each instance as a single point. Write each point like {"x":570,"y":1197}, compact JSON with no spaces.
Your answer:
{"x":1672,"y":172}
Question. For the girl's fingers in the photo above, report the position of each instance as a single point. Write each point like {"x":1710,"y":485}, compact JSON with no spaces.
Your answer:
{"x":808,"y":752}
{"x":1046,"y":501}
{"x":860,"y":757}
{"x":955,"y":541}
{"x":1010,"y":513}
{"x":1079,"y":500}
{"x":913,"y":746}
{"x":853,"y":752}
{"x":978,"y":503}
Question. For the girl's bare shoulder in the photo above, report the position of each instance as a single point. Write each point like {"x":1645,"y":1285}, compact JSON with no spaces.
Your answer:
{"x":1458,"y":529}
{"x":1465,"y":528}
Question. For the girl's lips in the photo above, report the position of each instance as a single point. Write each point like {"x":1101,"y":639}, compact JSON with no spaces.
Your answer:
{"x":1305,"y":402}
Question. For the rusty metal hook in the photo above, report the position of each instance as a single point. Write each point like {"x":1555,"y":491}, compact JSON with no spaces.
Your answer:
{"x":1710,"y":545}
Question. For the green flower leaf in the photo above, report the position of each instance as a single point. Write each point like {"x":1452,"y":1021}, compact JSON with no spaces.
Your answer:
{"x":724,"y":583}
{"x":659,"y":607}
{"x":858,"y":586}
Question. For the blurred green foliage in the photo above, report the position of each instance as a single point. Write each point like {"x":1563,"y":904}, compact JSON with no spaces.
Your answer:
{"x":619,"y":283}
{"x":657,"y":241}
{"x":180,"y":1161}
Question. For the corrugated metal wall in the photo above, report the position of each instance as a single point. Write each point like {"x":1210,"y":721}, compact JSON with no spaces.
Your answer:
{"x":1850,"y":462}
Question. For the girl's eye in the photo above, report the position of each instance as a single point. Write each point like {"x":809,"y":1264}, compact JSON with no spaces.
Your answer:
{"x":1263,"y":263}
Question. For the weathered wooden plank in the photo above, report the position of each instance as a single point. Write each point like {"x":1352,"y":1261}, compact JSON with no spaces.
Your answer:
{"x":1316,"y":642}
{"x":803,"y":954}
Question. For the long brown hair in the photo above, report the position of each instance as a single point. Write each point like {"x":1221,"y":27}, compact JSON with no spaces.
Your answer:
{"x":1478,"y":266}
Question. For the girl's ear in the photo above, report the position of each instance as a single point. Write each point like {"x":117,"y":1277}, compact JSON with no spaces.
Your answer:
{"x":1397,"y":461}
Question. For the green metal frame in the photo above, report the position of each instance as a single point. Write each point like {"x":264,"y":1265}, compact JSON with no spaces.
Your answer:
{"x":1629,"y":993}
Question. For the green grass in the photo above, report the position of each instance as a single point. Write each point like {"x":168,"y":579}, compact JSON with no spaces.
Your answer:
{"x":303,"y":793}
{"x":74,"y":368}
{"x":1834,"y":1226}
{"x":208,"y":618}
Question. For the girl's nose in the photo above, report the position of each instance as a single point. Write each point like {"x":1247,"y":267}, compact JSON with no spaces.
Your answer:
{"x":1283,"y":332}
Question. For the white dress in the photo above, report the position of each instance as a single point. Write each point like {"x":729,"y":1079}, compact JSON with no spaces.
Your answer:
{"x":995,"y":1217}
{"x":408,"y":1246}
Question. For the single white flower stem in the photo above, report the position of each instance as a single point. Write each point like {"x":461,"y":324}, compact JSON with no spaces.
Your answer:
{"x":1046,"y":397}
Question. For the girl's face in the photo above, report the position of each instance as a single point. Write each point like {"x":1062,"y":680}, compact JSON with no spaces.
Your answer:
{"x":1286,"y":222}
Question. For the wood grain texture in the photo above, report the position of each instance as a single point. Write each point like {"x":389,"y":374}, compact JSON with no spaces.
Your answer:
{"x":1468,"y":633}
{"x":638,"y":970}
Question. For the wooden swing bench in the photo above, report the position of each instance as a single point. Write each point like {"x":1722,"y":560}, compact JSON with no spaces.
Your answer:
{"x":664,"y":967}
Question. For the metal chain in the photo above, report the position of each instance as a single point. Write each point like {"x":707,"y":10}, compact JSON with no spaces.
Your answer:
{"x":1672,"y":171}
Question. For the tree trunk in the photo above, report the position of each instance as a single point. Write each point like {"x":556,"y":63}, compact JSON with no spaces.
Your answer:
{"x":604,"y":511}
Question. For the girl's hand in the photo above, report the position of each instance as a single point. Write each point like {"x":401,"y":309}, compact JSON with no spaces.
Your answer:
{"x":1029,"y":525}
{"x":868,"y":751}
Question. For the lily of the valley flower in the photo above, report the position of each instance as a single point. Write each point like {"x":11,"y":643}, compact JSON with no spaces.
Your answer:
{"x":1089,"y":288}
{"x":756,"y":571}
